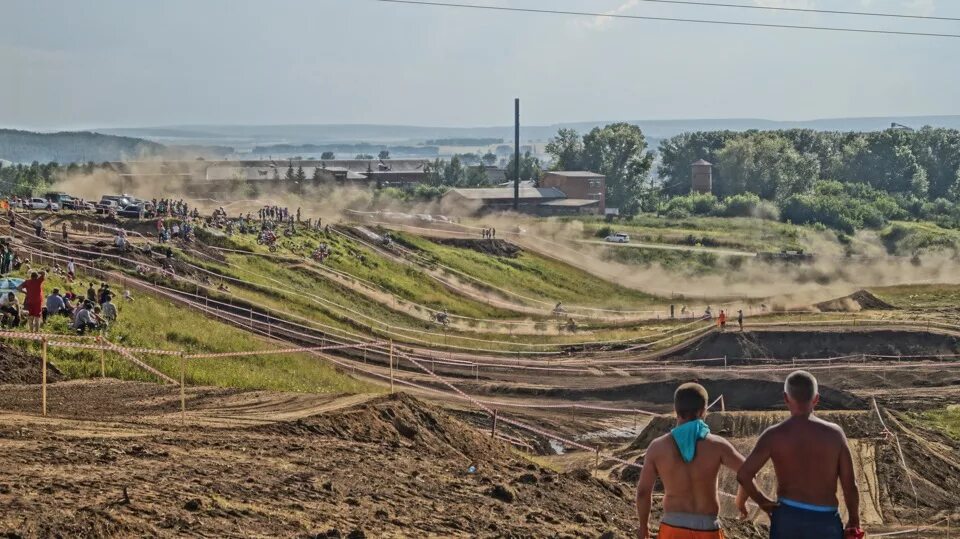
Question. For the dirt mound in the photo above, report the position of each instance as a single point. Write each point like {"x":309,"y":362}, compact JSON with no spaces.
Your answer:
{"x":818,"y":344}
{"x":861,"y":300}
{"x":399,"y":420}
{"x":390,"y":467}
{"x":491,"y":247}
{"x":20,"y":367}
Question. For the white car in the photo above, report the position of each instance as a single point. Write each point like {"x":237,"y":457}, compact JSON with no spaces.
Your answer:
{"x":43,"y":204}
{"x":618,"y":237}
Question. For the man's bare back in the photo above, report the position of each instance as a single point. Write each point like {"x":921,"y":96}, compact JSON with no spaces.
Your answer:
{"x":691,"y":487}
{"x":796,"y":443}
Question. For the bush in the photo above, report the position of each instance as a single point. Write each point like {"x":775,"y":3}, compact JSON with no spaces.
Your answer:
{"x":692,"y":204}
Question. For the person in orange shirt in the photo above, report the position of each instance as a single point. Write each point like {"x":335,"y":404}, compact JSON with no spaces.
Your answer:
{"x":722,"y":320}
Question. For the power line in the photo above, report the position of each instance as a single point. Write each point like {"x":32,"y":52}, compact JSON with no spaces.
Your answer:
{"x":804,"y":10}
{"x":666,"y":19}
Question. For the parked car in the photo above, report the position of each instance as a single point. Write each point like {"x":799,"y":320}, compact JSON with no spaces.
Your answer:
{"x":122,"y":200}
{"x":38,"y":203}
{"x":134,"y":211}
{"x":106,"y":206}
{"x":617,"y":237}
{"x":76,"y":205}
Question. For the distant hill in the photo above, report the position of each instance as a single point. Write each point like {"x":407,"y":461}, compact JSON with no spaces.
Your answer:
{"x":77,"y":146}
{"x":83,"y":146}
{"x":245,"y":137}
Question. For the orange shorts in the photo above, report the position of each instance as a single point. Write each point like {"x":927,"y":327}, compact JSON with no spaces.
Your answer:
{"x":669,"y":532}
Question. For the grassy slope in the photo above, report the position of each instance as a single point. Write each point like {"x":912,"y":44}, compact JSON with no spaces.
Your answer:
{"x":920,"y":296}
{"x":533,"y":276}
{"x":947,"y":420}
{"x":151,"y":322}
{"x":365,"y":264}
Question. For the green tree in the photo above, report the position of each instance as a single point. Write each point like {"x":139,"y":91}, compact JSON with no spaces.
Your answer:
{"x":765,"y":164}
{"x":384,"y":155}
{"x":530,"y":168}
{"x":301,"y":175}
{"x":364,"y":156}
{"x":317,"y":174}
{"x":489,"y":159}
{"x":291,"y":175}
{"x":567,"y":150}
{"x":475,"y":176}
{"x":619,"y":152}
{"x":327,"y":156}
{"x":679,"y":152}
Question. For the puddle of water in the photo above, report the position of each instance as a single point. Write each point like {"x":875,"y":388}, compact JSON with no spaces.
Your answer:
{"x":558,"y":447}
{"x":612,"y":432}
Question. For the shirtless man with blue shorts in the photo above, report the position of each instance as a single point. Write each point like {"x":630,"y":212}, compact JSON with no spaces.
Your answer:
{"x":809,"y":456}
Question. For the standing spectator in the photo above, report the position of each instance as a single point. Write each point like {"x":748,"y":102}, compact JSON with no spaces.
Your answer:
{"x":91,"y":294}
{"x":33,"y":287}
{"x":6,"y":258}
{"x":71,"y":270}
{"x":63,"y":227}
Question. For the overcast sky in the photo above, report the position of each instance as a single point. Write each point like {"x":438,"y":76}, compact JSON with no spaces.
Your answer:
{"x":113,"y":63}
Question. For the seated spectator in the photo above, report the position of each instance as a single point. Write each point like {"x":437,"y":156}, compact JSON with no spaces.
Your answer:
{"x":85,"y":319}
{"x":109,"y":309}
{"x":55,"y":305}
{"x":10,"y":307}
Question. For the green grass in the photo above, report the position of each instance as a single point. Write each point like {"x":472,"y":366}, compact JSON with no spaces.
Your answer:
{"x":532,"y":276}
{"x":908,"y":238}
{"x":946,"y":420}
{"x":365,"y":264}
{"x":920,"y":296}
{"x":151,"y":322}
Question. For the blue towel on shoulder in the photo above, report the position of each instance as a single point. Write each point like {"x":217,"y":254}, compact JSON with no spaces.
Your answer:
{"x":686,"y":437}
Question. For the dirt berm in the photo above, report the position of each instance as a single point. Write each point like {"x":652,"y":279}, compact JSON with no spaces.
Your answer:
{"x":818,"y":344}
{"x":861,"y":300}
{"x":390,"y":467}
{"x":20,"y":367}
{"x":739,"y":394}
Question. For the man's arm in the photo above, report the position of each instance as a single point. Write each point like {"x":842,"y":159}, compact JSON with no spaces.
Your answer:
{"x":648,"y":477}
{"x":748,"y":471}
{"x":731,"y":458}
{"x":848,"y":482}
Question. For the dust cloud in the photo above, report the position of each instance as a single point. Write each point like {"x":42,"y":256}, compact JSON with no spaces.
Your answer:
{"x":833,"y":272}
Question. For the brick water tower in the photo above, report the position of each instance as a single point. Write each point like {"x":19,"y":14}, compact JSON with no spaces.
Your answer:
{"x":701,"y":177}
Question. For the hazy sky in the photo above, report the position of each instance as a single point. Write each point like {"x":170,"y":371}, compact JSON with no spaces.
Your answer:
{"x":98,"y":63}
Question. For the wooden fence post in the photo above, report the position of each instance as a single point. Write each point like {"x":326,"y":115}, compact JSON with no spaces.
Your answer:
{"x":493,"y":429}
{"x":183,"y":395}
{"x":391,"y":366}
{"x":103,"y":359}
{"x":43,"y":378}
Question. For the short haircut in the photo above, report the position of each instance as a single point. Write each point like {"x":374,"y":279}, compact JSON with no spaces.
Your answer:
{"x":689,"y":399}
{"x":34,"y":275}
{"x":801,"y":386}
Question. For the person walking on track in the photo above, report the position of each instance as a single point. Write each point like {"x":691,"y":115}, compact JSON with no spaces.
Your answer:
{"x":809,"y":456}
{"x":687,"y":462}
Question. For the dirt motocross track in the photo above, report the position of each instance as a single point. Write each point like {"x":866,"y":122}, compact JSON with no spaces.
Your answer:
{"x":387,"y":467}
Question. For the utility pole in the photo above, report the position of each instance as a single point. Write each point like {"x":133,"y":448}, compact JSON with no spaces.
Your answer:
{"x":516,"y":154}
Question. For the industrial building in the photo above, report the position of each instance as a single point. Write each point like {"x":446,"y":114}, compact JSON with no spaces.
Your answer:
{"x":559,"y":193}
